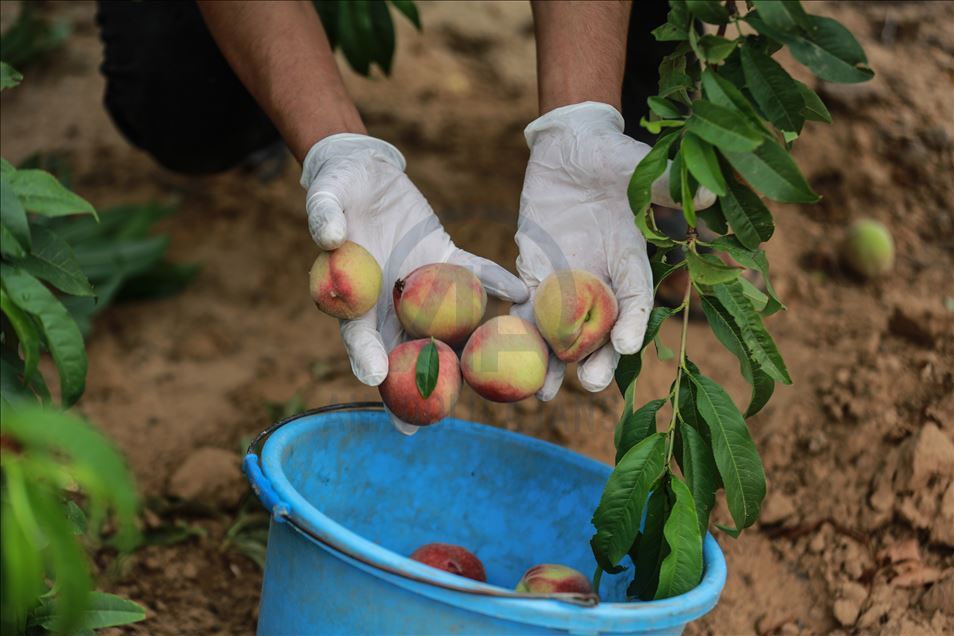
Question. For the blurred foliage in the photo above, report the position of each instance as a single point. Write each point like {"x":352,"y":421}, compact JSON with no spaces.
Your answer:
{"x":363,"y":29}
{"x":31,"y":37}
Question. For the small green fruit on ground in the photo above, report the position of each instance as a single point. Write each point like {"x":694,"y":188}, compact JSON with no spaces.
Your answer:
{"x":575,"y":312}
{"x":440,"y":300}
{"x":868,"y":248}
{"x":345,"y":282}
{"x":451,"y":558}
{"x":400,"y":392}
{"x":505,"y":359}
{"x":551,"y":578}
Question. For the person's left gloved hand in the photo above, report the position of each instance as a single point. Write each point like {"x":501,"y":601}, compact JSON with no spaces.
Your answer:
{"x":574,"y":214}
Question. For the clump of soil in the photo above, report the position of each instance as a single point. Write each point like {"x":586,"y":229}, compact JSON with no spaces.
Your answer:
{"x":856,"y":535}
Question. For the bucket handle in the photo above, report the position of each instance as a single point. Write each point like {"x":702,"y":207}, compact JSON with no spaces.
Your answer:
{"x":282,"y":514}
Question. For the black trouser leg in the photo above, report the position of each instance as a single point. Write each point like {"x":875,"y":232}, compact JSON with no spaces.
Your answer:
{"x":170,"y":91}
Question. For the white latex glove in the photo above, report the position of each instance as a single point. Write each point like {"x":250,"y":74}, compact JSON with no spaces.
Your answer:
{"x":574,"y":214}
{"x":357,"y":191}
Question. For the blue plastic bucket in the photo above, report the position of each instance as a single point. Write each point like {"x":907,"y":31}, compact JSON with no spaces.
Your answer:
{"x":350,"y":497}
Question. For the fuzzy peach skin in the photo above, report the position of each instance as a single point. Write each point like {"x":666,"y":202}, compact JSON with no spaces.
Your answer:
{"x":505,"y":359}
{"x":575,"y":312}
{"x":451,"y":558}
{"x":550,"y":578}
{"x":440,"y":300}
{"x":345,"y":282}
{"x":399,"y":389}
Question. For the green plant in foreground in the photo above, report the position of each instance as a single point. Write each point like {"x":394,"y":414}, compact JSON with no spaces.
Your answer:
{"x":728,"y":114}
{"x":50,"y":460}
{"x":364,"y":30}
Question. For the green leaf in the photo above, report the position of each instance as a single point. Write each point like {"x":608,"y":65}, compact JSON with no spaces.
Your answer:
{"x":728,"y":333}
{"x":381,"y":42}
{"x":647,"y":172}
{"x":409,"y":10}
{"x":655,"y":126}
{"x":650,"y":548}
{"x":735,"y":455}
{"x":814,"y":108}
{"x":664,"y":107}
{"x":620,"y":510}
{"x":23,"y":571}
{"x":771,"y":171}
{"x":52,"y":260}
{"x":828,"y":49}
{"x":762,"y":388}
{"x":63,"y":337}
{"x":711,"y":11}
{"x":755,"y":296}
{"x":103,"y":610}
{"x":687,"y":189}
{"x":702,"y":162}
{"x":715,"y":49}
{"x":784,"y":15}
{"x":774,"y":89}
{"x":705,"y":269}
{"x":702,"y":475}
{"x":721,"y":127}
{"x":9,"y":76}
{"x":714,"y":218}
{"x":756,"y":338}
{"x":668,"y":32}
{"x":354,"y":32}
{"x":635,"y":426}
{"x":681,"y":570}
{"x":9,"y":246}
{"x":27,"y":334}
{"x":673,"y":79}
{"x":753,"y":259}
{"x":646,"y":225}
{"x":40,"y":192}
{"x":12,"y":215}
{"x":663,"y":353}
{"x":428,"y":369}
{"x":721,"y":92}
{"x":662,"y":268}
{"x":750,"y":219}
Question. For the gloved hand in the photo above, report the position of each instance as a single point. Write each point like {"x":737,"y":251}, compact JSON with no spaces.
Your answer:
{"x":574,"y":214}
{"x":357,"y":191}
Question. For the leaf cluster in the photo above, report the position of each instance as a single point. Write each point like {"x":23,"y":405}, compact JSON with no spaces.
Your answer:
{"x":727,"y":114}
{"x":363,"y":30}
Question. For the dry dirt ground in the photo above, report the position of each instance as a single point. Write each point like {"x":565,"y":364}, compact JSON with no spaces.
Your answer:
{"x":858,"y":528}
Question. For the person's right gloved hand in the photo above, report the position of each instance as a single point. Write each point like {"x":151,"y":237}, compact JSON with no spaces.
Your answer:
{"x":357,"y":191}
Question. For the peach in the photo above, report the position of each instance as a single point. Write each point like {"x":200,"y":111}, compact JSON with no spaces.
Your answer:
{"x":451,"y":558}
{"x":575,"y":312}
{"x":399,"y":389}
{"x":345,"y":282}
{"x":550,"y":578}
{"x":868,"y":248}
{"x":505,"y":359}
{"x":440,"y":300}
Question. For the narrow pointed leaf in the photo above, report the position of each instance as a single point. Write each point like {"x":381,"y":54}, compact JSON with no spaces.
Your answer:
{"x":664,"y":107}
{"x":620,"y":510}
{"x":52,"y":260}
{"x":728,"y":333}
{"x":784,"y":15}
{"x":9,"y":76}
{"x":63,"y":337}
{"x":711,"y":11}
{"x":757,"y":340}
{"x":27,"y":334}
{"x":635,"y":426}
{"x":772,"y":171}
{"x":9,"y":245}
{"x":703,"y":163}
{"x":702,"y":476}
{"x":753,"y":259}
{"x":650,"y":548}
{"x":12,"y":214}
{"x":774,"y":89}
{"x":715,"y":49}
{"x":706,"y":269}
{"x":428,"y":369}
{"x":722,"y":128}
{"x":814,"y":108}
{"x":762,"y":388}
{"x":681,"y":570}
{"x":750,"y":219}
{"x":647,"y":172}
{"x":735,"y":455}
{"x":409,"y":10}
{"x":722,"y":92}
{"x":40,"y":192}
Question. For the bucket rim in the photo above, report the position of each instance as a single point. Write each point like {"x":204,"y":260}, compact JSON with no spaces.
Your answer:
{"x":287,"y":505}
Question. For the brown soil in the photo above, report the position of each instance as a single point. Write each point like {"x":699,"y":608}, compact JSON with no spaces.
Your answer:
{"x":858,"y":529}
